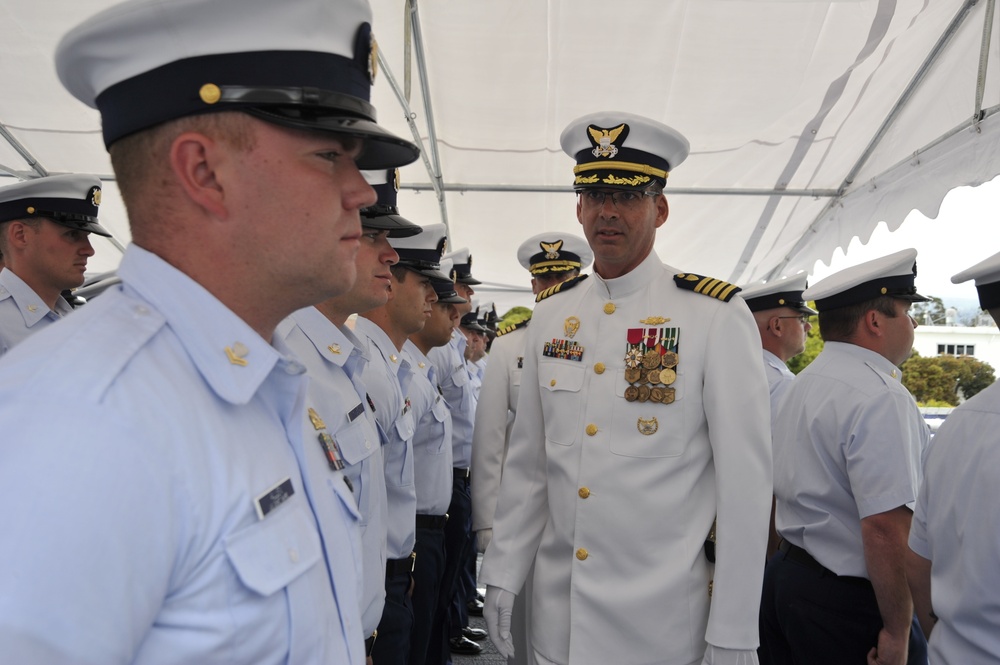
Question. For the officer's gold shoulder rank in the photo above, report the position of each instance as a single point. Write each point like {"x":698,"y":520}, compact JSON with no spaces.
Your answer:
{"x":559,"y":288}
{"x":513,"y":327}
{"x":706,"y":286}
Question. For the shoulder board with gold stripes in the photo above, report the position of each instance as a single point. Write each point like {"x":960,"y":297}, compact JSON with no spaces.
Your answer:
{"x":512,"y":328}
{"x":707,"y":286}
{"x":559,"y":288}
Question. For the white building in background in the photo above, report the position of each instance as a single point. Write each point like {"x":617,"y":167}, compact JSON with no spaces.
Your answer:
{"x":981,"y":342}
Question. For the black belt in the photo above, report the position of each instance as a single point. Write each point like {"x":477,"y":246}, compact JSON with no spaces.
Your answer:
{"x":461,"y":474}
{"x":397,"y":567}
{"x":800,"y":556}
{"x":370,"y":644}
{"x":431,"y":521}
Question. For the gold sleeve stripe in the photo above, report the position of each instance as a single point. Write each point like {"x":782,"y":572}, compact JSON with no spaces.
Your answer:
{"x":728,"y":292}
{"x":621,"y":166}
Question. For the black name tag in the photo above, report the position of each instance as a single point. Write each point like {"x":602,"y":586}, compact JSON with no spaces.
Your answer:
{"x":355,"y":412}
{"x":274,"y":497}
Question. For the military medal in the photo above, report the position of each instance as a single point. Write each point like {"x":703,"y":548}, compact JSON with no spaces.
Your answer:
{"x":633,"y":358}
{"x":332,"y":451}
{"x":656,"y":395}
{"x":643,"y":393}
{"x":633,"y":374}
{"x":631,"y":393}
{"x":668,"y":396}
{"x":667,"y":376}
{"x":651,"y":359}
{"x":653,"y":377}
{"x":669,"y":360}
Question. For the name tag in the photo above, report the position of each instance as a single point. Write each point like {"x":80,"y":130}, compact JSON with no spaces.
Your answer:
{"x":355,"y":412}
{"x":273,"y":498}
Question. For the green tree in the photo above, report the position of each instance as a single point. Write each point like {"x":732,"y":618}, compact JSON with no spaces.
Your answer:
{"x":514,"y":315}
{"x":931,"y":313}
{"x":946,"y":379}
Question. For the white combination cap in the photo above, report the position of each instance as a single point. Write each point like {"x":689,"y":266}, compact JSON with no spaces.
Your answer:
{"x":987,"y":276}
{"x":622,"y":150}
{"x":553,"y":253}
{"x":462,"y":271}
{"x":69,"y":200}
{"x":306,"y":64}
{"x":891,"y":275}
{"x":422,"y":252}
{"x":784,"y":292}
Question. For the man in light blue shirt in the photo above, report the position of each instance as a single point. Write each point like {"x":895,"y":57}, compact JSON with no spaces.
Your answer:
{"x":178,"y":515}
{"x":336,"y":360}
{"x":45,"y":227}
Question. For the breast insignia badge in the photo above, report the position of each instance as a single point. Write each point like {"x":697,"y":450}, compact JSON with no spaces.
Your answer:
{"x":571,"y":326}
{"x":654,"y":321}
{"x":647,"y":427}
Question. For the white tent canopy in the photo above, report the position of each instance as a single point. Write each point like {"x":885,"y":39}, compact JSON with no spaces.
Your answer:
{"x":810,"y":121}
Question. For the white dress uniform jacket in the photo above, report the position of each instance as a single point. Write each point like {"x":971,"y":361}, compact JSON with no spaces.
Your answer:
{"x":618,"y":518}
{"x":335,"y":361}
{"x":955,"y":526}
{"x":847,"y":444}
{"x":175,"y":514}
{"x":494,"y":420}
{"x":22,"y":312}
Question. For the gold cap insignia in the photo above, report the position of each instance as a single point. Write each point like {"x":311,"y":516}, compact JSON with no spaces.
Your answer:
{"x":372,"y":60}
{"x":604,"y":139}
{"x":210,"y":93}
{"x":95,"y":196}
{"x":551,"y":249}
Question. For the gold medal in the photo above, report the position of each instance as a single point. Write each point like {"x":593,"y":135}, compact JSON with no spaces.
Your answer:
{"x":643,"y":393}
{"x":668,"y":396}
{"x":667,"y":376}
{"x":631,"y":394}
{"x":651,"y":360}
{"x":653,"y":376}
{"x":633,"y":374}
{"x":656,"y":395}
{"x":669,"y":359}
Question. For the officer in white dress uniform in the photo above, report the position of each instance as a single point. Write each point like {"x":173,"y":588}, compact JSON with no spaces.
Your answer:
{"x":177,"y":515}
{"x":847,"y":448}
{"x":550,"y":258}
{"x":642,"y":415}
{"x":953,"y":564}
{"x":45,"y":226}
{"x":335,"y":360}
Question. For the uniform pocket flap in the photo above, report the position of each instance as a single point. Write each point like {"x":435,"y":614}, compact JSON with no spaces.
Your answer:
{"x":271,"y":553}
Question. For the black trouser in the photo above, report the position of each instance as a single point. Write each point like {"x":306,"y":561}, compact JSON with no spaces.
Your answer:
{"x":392,"y":646}
{"x":428,"y":570}
{"x":811,"y":616}
{"x":456,"y":544}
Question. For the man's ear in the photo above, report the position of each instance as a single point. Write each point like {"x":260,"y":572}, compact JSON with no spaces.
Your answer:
{"x":873,"y":322}
{"x":774,"y":325}
{"x":17,"y":234}
{"x":195,"y":159}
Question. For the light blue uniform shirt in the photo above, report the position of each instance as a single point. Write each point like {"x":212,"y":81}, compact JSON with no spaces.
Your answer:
{"x":387,"y":377}
{"x":22,"y":312}
{"x":169,"y":515}
{"x":955,"y":526}
{"x":432,"y":469}
{"x":779,"y":380}
{"x":847,"y":444}
{"x":335,"y":362}
{"x":457,"y":386}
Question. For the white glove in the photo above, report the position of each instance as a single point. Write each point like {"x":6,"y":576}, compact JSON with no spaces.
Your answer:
{"x":718,"y":656}
{"x":483,"y":538}
{"x":496,"y":612}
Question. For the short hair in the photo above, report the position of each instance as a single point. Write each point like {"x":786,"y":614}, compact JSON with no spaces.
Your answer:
{"x":840,"y":324}
{"x":140,"y":159}
{"x":399,"y":273}
{"x":34,"y":223}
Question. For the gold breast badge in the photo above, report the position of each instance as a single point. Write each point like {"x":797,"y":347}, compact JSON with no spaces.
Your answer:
{"x":571,"y":326}
{"x":647,"y":427}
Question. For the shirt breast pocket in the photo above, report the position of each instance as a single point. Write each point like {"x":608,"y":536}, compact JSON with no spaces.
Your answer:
{"x":649,"y":429}
{"x":561,"y":388}
{"x":269,"y":554}
{"x":398,"y":460}
{"x":460,"y":376}
{"x":358,"y":441}
{"x":441,"y":415}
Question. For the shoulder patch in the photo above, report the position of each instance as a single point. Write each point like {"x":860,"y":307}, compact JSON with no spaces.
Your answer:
{"x":706,"y":286}
{"x":559,"y":288}
{"x":512,"y":328}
